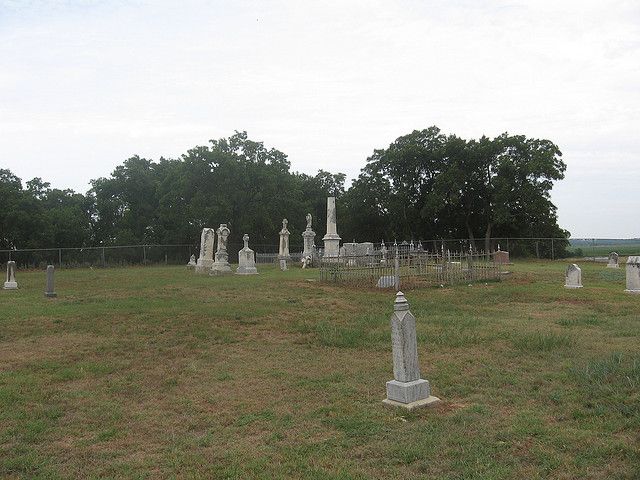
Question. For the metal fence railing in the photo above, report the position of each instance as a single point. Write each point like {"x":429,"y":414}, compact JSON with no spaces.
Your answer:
{"x":410,"y":268}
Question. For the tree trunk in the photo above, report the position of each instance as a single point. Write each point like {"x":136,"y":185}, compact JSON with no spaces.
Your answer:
{"x":472,"y":240}
{"x":487,"y":237}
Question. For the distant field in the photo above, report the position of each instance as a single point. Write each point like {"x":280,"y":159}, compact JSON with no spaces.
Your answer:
{"x":601,"y":248}
{"x":160,"y":373}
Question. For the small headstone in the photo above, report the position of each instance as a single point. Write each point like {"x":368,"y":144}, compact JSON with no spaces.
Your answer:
{"x":613,"y":260}
{"x":501,"y":258}
{"x":192,"y":263}
{"x":633,"y":275}
{"x":50,"y":293}
{"x":305,"y":260}
{"x":11,"y":283}
{"x":573,"y":276}
{"x":246,"y":259}
{"x":407,"y":389}
{"x":283,"y":265}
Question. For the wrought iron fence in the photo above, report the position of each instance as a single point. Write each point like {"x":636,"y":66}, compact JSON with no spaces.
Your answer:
{"x":411,"y":268}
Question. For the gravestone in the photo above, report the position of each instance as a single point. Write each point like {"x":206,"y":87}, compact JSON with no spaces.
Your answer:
{"x":50,"y":293}
{"x":283,"y":253}
{"x":407,"y":389}
{"x":221,"y":264}
{"x":331,"y":239}
{"x":246,"y":259}
{"x":192,"y":263}
{"x":11,"y":283}
{"x":383,"y":253}
{"x":308,"y":237}
{"x":613,"y":260}
{"x":386,"y":281}
{"x":573,"y":276}
{"x":283,"y":265}
{"x":305,"y":260}
{"x":501,"y":258}
{"x":633,"y":275}
{"x":205,"y":260}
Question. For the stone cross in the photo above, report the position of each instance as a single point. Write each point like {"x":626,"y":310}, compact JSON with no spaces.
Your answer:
{"x":283,"y":253}
{"x":407,"y":389}
{"x":573,"y":276}
{"x":50,"y":293}
{"x":11,"y":283}
{"x":633,"y":275}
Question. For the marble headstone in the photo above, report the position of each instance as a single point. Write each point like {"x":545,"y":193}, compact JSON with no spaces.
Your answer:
{"x":613,"y":260}
{"x":205,"y":260}
{"x":246,"y":259}
{"x":573,"y":276}
{"x":192,"y":263}
{"x":11,"y":283}
{"x":407,"y":389}
{"x":283,"y":252}
{"x":633,"y":275}
{"x":221,"y":264}
{"x":308,"y":237}
{"x":50,"y":293}
{"x":331,"y":239}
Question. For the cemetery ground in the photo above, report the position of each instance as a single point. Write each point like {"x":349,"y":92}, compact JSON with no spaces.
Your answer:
{"x":155,"y":372}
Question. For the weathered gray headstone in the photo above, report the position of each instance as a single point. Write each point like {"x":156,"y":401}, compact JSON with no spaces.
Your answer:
{"x":573,"y":276}
{"x":407,"y":389}
{"x":613,"y":260}
{"x":11,"y":283}
{"x":331,"y":239}
{"x":221,"y":264}
{"x":283,"y":265}
{"x":633,"y":275}
{"x":246,"y":259}
{"x":192,"y":263}
{"x":50,"y":293}
{"x":283,"y":253}
{"x":205,"y":260}
{"x":308,"y":237}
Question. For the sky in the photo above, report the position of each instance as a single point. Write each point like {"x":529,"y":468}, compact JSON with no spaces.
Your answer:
{"x":86,"y":84}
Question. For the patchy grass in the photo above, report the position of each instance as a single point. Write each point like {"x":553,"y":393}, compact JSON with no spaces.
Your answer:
{"x":160,"y":373}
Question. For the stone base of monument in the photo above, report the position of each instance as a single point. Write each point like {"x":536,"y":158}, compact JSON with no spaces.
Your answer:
{"x":50,"y":294}
{"x":613,"y":266}
{"x":246,"y":271}
{"x":409,"y":395}
{"x":10,"y":286}
{"x":203,"y":266}
{"x":220,"y":269}
{"x":573,"y":286}
{"x":637,"y":292}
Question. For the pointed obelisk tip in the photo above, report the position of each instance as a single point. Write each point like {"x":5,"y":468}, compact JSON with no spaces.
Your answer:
{"x":401,"y":302}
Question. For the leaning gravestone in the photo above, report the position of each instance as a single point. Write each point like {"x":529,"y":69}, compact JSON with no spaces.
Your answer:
{"x":613,"y":260}
{"x":50,"y":293}
{"x":11,"y":283}
{"x":246,"y":259}
{"x":221,"y":265}
{"x":407,"y":389}
{"x":633,"y":275}
{"x":573,"y":276}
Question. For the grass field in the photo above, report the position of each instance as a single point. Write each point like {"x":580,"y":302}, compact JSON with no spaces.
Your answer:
{"x":160,"y":373}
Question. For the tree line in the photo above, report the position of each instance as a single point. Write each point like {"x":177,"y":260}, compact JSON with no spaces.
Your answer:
{"x":425,"y":185}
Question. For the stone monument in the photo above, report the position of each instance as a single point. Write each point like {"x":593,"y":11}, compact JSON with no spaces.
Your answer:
{"x":308,"y":237}
{"x":573,"y":276}
{"x":613,"y":260}
{"x":50,"y":293}
{"x":246,"y":259}
{"x":205,"y":261}
{"x":221,"y":264}
{"x":407,"y":389}
{"x":283,"y":253}
{"x":331,"y":239}
{"x":633,"y":275}
{"x":192,"y":263}
{"x":11,"y":283}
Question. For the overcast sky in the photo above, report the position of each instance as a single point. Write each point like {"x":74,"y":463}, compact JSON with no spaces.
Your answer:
{"x":86,"y":84}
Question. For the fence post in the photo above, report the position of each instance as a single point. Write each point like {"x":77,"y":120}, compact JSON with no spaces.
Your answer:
{"x":104,"y":264}
{"x":553,"y":256}
{"x":396,"y":278}
{"x":60,"y":257}
{"x":144,"y":255}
